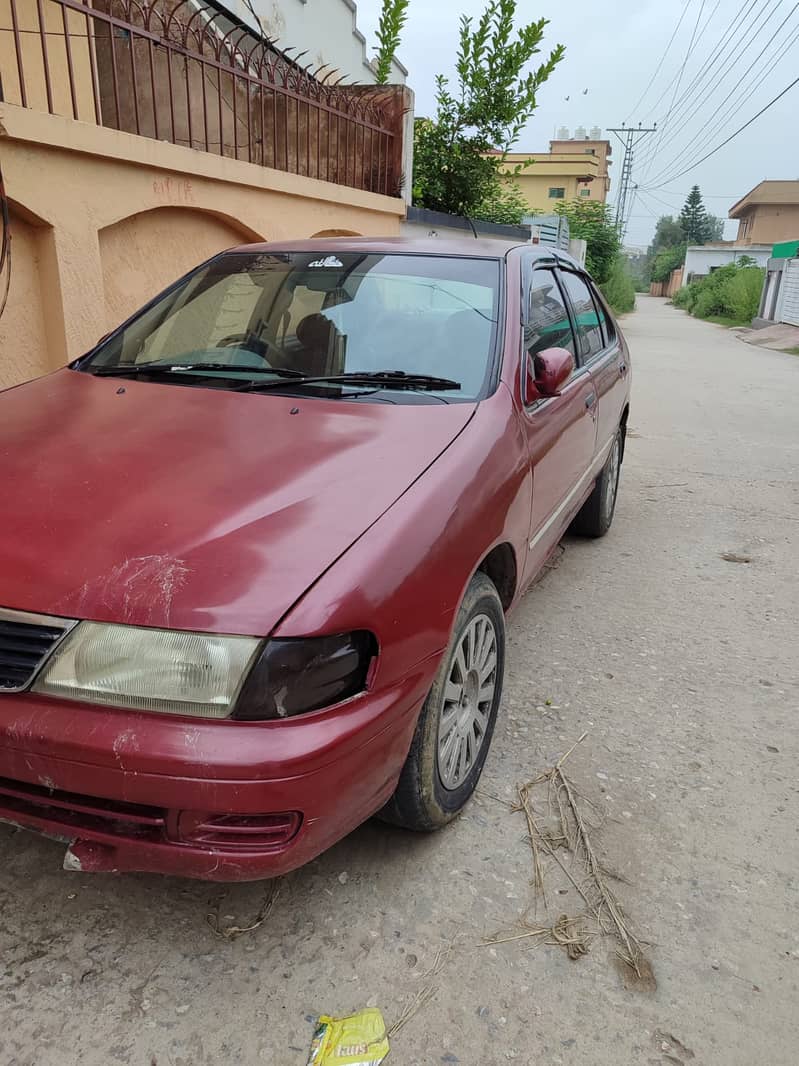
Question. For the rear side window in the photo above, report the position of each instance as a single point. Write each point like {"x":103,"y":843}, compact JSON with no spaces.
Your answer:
{"x":606,"y":321}
{"x":586,"y":316}
{"x":548,"y":324}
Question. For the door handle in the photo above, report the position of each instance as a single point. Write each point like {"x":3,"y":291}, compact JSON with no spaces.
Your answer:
{"x":622,"y":369}
{"x":590,"y":399}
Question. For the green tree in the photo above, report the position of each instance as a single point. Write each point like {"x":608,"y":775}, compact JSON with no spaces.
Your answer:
{"x":694,"y":219}
{"x":668,"y":234}
{"x":392,"y":18}
{"x":459,"y":152}
{"x":668,"y":246}
{"x":666,"y":260}
{"x":716,"y":228}
{"x":591,"y":221}
{"x":504,"y":202}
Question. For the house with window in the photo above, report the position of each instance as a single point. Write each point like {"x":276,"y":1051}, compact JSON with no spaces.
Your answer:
{"x":769,"y":213}
{"x":140,"y":137}
{"x":574,"y":168}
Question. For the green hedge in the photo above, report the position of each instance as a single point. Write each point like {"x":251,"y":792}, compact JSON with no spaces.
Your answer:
{"x":619,"y":289}
{"x":731,"y":292}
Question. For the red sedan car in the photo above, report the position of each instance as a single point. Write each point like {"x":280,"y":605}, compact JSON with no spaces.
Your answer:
{"x":258,"y":545}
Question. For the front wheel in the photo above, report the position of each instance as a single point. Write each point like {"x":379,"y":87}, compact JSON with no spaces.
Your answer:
{"x":456,"y":723}
{"x":595,"y":516}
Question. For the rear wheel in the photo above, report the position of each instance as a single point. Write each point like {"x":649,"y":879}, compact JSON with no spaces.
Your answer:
{"x":455,"y":727}
{"x":595,"y":516}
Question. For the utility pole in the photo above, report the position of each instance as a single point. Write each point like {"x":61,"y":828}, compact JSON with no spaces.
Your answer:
{"x":629,"y":136}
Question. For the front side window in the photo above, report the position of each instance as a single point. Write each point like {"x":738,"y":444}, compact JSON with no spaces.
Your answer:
{"x":586,"y":319}
{"x":320,"y":314}
{"x":557,"y":193}
{"x":548,"y":324}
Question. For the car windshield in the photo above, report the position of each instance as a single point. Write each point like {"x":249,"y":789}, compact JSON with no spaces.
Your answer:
{"x":273,"y":318}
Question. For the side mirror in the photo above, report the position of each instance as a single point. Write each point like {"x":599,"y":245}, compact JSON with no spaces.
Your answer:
{"x":552,"y":368}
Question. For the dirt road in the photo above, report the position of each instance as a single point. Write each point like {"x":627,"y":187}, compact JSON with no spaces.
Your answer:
{"x":681,"y":666}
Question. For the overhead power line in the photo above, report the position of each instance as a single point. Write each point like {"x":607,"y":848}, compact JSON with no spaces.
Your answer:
{"x":733,"y":106}
{"x":732,"y":136}
{"x":642,"y":97}
{"x":691,"y":45}
{"x":652,"y":195}
{"x":653,"y":109}
{"x":731,"y":41}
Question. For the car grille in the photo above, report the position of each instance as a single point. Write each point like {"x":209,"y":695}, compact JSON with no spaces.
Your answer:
{"x":69,"y":814}
{"x":25,"y":642}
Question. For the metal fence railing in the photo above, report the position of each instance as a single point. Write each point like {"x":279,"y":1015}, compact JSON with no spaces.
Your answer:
{"x":185,"y":72}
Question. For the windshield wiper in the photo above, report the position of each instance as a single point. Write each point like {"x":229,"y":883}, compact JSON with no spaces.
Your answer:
{"x":179,"y":368}
{"x":392,"y":379}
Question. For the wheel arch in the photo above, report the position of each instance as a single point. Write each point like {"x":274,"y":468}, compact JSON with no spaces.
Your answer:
{"x":500,"y":566}
{"x":623,"y":425}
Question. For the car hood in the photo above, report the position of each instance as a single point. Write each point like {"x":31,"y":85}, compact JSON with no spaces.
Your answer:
{"x":193,"y":508}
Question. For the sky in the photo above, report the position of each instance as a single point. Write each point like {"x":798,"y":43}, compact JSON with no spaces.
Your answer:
{"x":613,"y":49}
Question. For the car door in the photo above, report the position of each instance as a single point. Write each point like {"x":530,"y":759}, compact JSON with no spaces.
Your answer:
{"x":601,"y":350}
{"x":560,"y":430}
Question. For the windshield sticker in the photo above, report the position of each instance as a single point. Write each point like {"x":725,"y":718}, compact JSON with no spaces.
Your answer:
{"x":328,"y":261}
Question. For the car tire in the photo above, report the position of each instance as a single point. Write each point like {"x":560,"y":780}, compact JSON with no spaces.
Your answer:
{"x":454,"y":730}
{"x":595,"y":516}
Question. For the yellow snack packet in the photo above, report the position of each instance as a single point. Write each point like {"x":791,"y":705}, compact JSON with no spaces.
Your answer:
{"x":358,"y":1040}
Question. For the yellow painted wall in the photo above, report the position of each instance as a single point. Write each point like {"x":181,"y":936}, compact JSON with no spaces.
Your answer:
{"x":535,"y":189}
{"x":552,"y":171}
{"x":131,"y":276}
{"x":30,"y":42}
{"x":769,"y":224}
{"x":24,"y":347}
{"x":103,"y":220}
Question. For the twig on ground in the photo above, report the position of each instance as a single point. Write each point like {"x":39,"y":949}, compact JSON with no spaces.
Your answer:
{"x":425,"y":994}
{"x":573,"y":833}
{"x":232,"y":932}
{"x":412,"y":1007}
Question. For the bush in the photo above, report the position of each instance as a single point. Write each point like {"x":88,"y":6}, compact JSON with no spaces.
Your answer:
{"x":685,"y":297}
{"x":619,"y":289}
{"x":731,"y":292}
{"x":666,"y":260}
{"x":743,"y":292}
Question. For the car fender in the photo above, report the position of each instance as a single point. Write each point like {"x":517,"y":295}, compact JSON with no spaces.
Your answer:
{"x":405,"y":577}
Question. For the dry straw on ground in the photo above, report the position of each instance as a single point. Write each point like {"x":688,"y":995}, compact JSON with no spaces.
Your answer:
{"x":565,"y":828}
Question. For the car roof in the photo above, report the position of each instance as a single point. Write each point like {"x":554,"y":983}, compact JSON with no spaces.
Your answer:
{"x":459,"y":246}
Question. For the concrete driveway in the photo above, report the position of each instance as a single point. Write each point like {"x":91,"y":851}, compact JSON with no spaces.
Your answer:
{"x":681,"y":667}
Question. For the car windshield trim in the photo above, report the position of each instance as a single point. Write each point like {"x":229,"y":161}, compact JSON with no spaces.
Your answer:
{"x":391,"y":379}
{"x":160,"y":367}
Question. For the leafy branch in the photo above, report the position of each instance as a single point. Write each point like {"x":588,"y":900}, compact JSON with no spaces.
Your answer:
{"x":460,"y":153}
{"x":392,"y":19}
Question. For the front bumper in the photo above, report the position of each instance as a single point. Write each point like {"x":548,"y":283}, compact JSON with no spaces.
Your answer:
{"x":127,"y":791}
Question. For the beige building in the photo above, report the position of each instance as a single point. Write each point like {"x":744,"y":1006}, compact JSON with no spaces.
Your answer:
{"x":135,"y":145}
{"x":573,"y":169}
{"x":326,"y":30}
{"x":769,"y":213}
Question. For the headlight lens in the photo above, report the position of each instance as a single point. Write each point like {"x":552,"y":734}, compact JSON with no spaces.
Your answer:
{"x":296,"y":676}
{"x":172,"y":672}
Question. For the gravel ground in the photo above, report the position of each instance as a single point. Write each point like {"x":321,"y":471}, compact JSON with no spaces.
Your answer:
{"x":679,"y":663}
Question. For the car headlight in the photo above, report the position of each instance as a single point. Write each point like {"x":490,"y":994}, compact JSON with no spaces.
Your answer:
{"x":295,"y":676}
{"x":205,"y":675}
{"x":164,"y":670}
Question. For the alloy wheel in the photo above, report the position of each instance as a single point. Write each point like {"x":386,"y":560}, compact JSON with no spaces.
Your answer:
{"x":612,"y":477}
{"x":468,"y":697}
